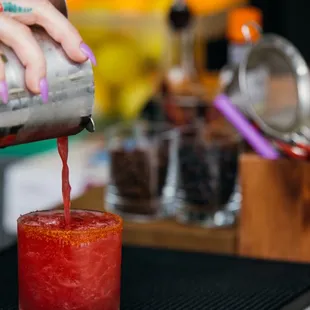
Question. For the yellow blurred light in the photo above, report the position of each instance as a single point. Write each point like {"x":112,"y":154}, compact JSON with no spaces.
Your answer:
{"x":139,"y":6}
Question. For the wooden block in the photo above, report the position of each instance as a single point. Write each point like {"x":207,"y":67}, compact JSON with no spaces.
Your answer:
{"x":275,"y":215}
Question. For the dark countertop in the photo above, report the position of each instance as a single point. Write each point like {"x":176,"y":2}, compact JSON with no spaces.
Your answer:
{"x":168,"y":280}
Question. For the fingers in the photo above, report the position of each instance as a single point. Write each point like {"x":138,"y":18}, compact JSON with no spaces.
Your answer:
{"x":43,"y":13}
{"x":4,"y":93}
{"x":28,"y":51}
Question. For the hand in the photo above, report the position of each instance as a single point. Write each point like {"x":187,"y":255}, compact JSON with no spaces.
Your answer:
{"x":15,"y":18}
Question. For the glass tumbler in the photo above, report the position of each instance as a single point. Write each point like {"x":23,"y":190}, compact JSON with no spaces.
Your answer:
{"x":208,"y":159}
{"x":70,"y":267}
{"x":143,"y":170}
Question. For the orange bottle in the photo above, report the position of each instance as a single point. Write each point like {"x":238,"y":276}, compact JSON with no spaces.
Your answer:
{"x":237,"y":42}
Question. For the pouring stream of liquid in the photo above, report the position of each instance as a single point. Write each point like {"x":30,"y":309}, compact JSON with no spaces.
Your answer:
{"x":63,"y":144}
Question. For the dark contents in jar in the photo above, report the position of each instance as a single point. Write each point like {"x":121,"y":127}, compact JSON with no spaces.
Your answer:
{"x":207,"y":171}
{"x":139,"y":175}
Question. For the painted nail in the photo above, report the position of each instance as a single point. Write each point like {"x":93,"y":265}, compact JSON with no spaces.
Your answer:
{"x":4,"y":92}
{"x":88,"y":53}
{"x":44,"y":90}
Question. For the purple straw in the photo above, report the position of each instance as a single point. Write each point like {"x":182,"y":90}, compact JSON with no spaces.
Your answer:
{"x":261,"y":145}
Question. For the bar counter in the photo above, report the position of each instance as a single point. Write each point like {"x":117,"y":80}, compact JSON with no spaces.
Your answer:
{"x":154,"y":279}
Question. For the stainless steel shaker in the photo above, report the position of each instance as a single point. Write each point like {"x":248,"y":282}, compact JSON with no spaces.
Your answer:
{"x":71,"y":95}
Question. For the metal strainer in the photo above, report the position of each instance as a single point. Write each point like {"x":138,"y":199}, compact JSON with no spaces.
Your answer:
{"x":273,"y":81}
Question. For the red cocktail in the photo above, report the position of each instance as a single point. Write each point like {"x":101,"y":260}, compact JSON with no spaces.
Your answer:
{"x":69,"y":267}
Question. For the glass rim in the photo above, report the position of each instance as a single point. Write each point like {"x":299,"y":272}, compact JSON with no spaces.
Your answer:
{"x":161,"y":128}
{"x":225,"y":135}
{"x":70,"y":235}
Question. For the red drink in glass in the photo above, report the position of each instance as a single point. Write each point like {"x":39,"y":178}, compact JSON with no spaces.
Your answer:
{"x":69,"y":267}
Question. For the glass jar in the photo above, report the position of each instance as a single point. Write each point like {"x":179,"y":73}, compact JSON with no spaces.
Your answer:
{"x":143,"y":170}
{"x":208,"y":160}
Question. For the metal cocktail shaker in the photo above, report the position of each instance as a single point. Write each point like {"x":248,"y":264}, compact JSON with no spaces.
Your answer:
{"x":71,"y":95}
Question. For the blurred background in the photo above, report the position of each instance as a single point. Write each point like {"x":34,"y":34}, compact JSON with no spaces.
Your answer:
{"x":162,"y":157}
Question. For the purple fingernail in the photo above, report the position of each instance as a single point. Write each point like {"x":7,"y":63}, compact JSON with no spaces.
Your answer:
{"x":4,"y":92}
{"x":88,"y":53}
{"x":44,"y":90}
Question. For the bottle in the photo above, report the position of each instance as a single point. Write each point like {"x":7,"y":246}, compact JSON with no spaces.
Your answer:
{"x":237,"y":44}
{"x":184,"y":96}
{"x":71,"y":95}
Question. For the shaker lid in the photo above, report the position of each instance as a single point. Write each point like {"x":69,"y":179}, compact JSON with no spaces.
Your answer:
{"x":282,"y":109}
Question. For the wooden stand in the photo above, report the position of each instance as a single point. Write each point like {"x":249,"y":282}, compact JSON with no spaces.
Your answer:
{"x":275,"y":216}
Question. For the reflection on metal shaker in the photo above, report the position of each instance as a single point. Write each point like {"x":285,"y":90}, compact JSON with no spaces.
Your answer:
{"x":71,"y":95}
